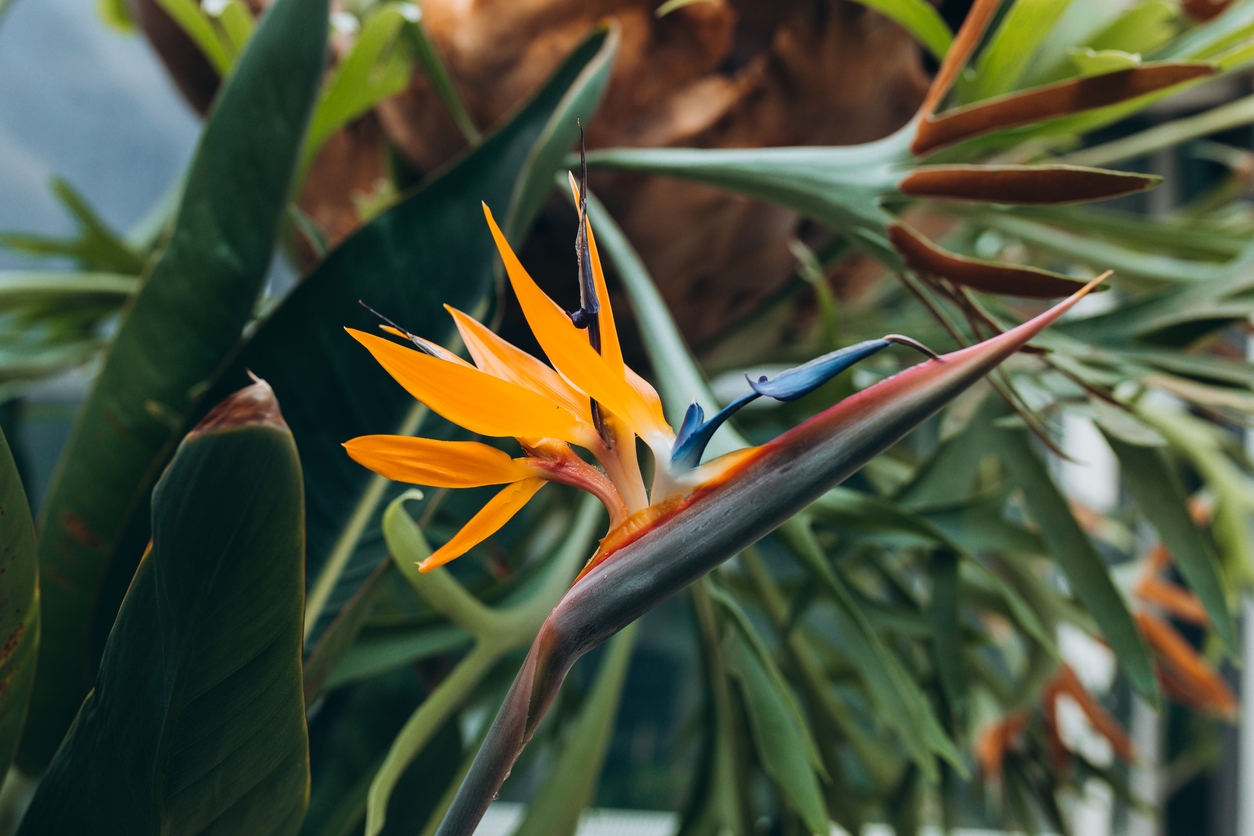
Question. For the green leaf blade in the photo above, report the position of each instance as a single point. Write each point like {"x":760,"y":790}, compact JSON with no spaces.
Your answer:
{"x":197,"y":720}
{"x":1075,"y":553}
{"x":1161,"y":499}
{"x":918,"y":18}
{"x":180,"y":328}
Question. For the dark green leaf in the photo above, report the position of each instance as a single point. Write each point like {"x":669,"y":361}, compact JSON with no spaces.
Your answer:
{"x":180,"y":328}
{"x":196,"y":724}
{"x":942,"y":614}
{"x":1163,"y":502}
{"x":19,"y":618}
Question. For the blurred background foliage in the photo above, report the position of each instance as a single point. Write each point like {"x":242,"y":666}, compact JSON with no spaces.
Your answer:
{"x":960,"y":635}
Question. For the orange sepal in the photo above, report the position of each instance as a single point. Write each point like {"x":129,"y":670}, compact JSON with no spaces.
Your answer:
{"x":1103,"y":722}
{"x":1201,"y":684}
{"x":570,"y":353}
{"x":498,"y":357}
{"x":1173,"y":599}
{"x":471,"y":398}
{"x":499,"y":510}
{"x":437,"y":464}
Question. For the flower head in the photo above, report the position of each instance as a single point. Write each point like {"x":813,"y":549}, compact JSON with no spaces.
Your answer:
{"x":589,"y":398}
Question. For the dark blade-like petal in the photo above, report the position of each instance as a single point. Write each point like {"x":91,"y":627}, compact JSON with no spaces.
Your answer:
{"x":771,"y":484}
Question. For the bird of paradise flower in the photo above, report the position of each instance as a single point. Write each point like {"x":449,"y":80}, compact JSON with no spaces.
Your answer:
{"x":693,"y":516}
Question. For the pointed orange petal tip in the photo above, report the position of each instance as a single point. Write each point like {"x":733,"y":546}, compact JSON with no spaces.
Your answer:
{"x":499,"y":510}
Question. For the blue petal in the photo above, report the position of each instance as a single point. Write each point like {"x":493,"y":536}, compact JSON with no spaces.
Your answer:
{"x":797,"y":383}
{"x":693,"y":435}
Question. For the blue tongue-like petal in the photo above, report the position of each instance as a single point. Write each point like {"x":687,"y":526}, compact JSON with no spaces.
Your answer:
{"x":797,"y":383}
{"x":695,"y":433}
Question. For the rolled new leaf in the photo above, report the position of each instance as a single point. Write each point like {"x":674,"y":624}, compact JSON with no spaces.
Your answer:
{"x":196,"y":723}
{"x":765,"y":488}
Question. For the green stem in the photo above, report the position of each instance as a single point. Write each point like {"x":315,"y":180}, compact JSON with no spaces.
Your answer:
{"x":330,"y":573}
{"x":425,"y":721}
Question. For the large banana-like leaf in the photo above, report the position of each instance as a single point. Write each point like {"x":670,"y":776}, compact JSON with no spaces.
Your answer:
{"x":196,"y":724}
{"x":19,"y":605}
{"x":178,"y":331}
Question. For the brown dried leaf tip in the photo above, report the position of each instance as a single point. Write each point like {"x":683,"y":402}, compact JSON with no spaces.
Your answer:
{"x":253,"y":405}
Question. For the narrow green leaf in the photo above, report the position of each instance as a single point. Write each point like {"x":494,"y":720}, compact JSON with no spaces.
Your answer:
{"x":21,"y":288}
{"x":178,"y":331}
{"x":901,"y":703}
{"x":943,"y":616}
{"x":741,"y":620}
{"x":196,"y":723}
{"x":373,"y":70}
{"x":440,"y":79}
{"x":920,"y":19}
{"x":1162,"y":500}
{"x":570,"y":787}
{"x":336,"y":641}
{"x":1075,"y":553}
{"x":19,"y":618}
{"x":196,"y":24}
{"x":1008,"y":51}
{"x":1095,"y":62}
{"x":95,"y":247}
{"x":778,"y":740}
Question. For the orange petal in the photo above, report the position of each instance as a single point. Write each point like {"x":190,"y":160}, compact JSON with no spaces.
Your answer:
{"x":437,"y":464}
{"x":1185,"y":665}
{"x":611,"y":349}
{"x":965,"y":42}
{"x":472,"y":398}
{"x":1101,"y":719}
{"x":498,"y":357}
{"x":1173,"y":599}
{"x":499,"y":510}
{"x":568,"y":350}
